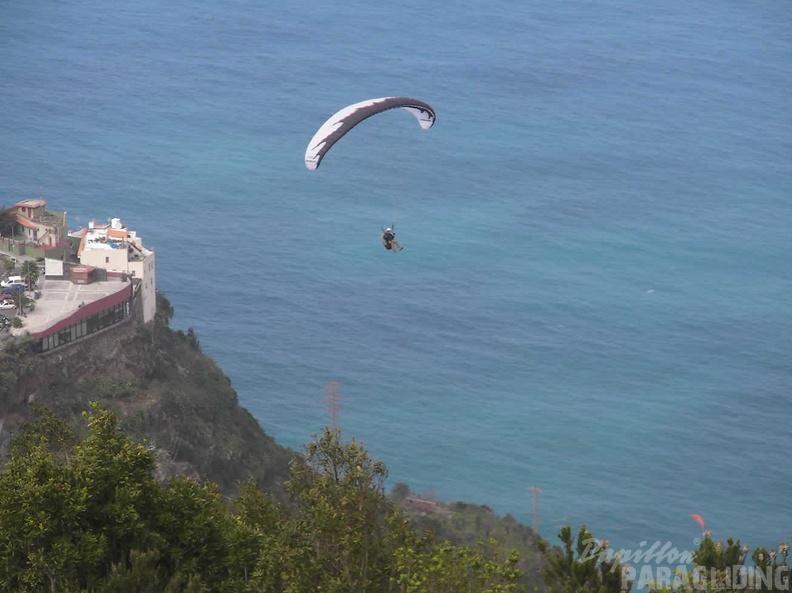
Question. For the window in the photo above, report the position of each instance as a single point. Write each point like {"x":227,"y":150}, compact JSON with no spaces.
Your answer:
{"x":86,"y":326}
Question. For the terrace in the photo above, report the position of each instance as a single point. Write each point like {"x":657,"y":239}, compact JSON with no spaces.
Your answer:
{"x":62,"y":298}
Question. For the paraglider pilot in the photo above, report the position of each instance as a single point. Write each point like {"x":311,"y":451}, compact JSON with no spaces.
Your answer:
{"x":389,"y":240}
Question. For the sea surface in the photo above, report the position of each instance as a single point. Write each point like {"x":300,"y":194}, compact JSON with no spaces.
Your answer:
{"x":595,"y":295}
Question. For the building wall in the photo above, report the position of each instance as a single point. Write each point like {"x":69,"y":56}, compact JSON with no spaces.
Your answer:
{"x":53,"y":267}
{"x":18,"y":248}
{"x":84,"y":327}
{"x":38,"y":225}
{"x":109,"y":259}
{"x":61,"y":251}
{"x":15,"y":247}
{"x":146,"y":270}
{"x":87,"y":320}
{"x":31,"y":212}
{"x":61,"y":232}
{"x":45,"y":235}
{"x":118,"y":260}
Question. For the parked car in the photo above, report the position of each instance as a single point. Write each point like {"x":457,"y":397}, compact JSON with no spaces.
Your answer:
{"x":14,"y":288}
{"x":7,"y":305}
{"x":9,"y":295}
{"x":12,"y":280}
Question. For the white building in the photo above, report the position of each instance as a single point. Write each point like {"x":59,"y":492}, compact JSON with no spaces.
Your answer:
{"x":117,"y":249}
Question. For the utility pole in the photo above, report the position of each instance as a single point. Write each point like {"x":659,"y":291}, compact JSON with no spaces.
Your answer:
{"x":536,"y":491}
{"x":332,"y":402}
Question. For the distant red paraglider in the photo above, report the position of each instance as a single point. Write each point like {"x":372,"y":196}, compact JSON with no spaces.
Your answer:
{"x":698,"y":519}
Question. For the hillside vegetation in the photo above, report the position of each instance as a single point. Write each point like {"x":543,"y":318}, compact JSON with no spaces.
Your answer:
{"x":163,"y":389}
{"x":87,"y":514}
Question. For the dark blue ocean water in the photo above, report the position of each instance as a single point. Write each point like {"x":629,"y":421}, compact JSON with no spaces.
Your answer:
{"x":595,"y":294}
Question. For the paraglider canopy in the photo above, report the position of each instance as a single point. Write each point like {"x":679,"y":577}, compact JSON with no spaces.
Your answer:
{"x":347,"y":118}
{"x":698,"y":519}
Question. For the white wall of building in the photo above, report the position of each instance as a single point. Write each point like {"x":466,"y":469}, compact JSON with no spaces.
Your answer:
{"x":53,"y":267}
{"x":109,"y":259}
{"x":146,"y":271}
{"x":137,"y":260}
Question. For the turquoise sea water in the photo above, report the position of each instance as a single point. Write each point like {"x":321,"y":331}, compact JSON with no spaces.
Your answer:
{"x":595,"y":294}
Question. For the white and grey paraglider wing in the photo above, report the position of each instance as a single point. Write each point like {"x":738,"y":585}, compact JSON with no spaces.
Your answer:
{"x":347,"y":118}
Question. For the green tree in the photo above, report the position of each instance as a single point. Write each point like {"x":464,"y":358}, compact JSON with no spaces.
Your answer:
{"x":197,"y":533}
{"x":400,"y":492}
{"x":68,"y":513}
{"x":164,"y":310}
{"x":117,"y":477}
{"x":260,"y":551}
{"x":58,"y":436}
{"x":587,"y":565}
{"x":30,"y":273}
{"x":444,"y":568}
{"x":22,"y":302}
{"x":343,"y":534}
{"x":9,"y":265}
{"x":88,"y":515}
{"x":7,"y":221}
{"x":143,"y":574}
{"x":341,"y":516}
{"x":17,"y":365}
{"x":43,"y":542}
{"x":721,"y":568}
{"x":716,"y":563}
{"x":772,"y":569}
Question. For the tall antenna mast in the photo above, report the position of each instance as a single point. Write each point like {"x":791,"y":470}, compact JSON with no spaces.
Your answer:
{"x":332,"y":403}
{"x":536,"y":491}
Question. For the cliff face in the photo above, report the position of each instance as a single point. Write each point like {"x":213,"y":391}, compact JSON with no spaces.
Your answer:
{"x":164,"y":389}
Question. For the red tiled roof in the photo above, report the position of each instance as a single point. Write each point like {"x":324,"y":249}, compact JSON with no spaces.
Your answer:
{"x":82,"y":244}
{"x":31,"y":203}
{"x":27,"y":223}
